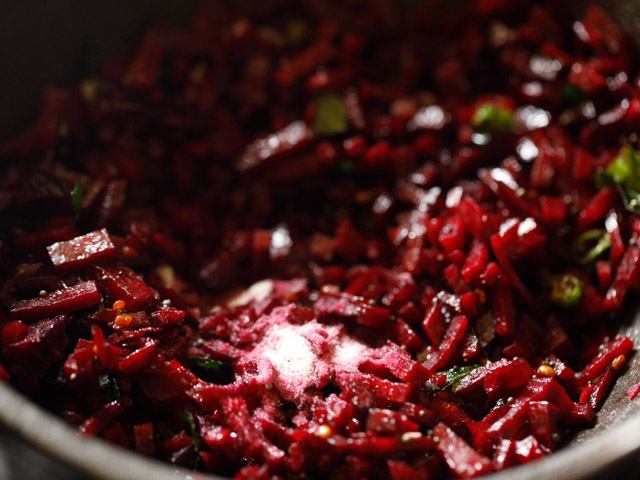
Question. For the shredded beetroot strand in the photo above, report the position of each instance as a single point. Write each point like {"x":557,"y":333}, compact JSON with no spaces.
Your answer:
{"x":353,"y":243}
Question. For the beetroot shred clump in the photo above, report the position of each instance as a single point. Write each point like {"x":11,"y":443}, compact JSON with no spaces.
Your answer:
{"x":384,"y":243}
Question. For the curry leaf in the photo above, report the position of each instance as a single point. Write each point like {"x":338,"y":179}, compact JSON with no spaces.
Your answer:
{"x":207,"y":364}
{"x":108,"y":388}
{"x":76,"y":198}
{"x":454,"y":376}
{"x":190,"y":426}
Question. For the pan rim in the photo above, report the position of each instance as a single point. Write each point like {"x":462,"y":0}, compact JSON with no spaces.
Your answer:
{"x":103,"y":461}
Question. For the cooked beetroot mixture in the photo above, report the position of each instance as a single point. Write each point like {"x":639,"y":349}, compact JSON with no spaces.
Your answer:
{"x":332,"y":240}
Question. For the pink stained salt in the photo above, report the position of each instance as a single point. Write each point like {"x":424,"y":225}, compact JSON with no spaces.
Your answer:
{"x":293,"y":358}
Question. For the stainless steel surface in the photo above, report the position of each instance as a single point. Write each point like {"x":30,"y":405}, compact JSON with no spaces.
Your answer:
{"x":42,"y":42}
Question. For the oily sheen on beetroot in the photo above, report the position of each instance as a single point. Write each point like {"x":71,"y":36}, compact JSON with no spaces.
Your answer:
{"x":331,"y":239}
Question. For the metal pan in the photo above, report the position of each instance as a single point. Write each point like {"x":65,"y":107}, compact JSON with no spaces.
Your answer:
{"x":42,"y":43}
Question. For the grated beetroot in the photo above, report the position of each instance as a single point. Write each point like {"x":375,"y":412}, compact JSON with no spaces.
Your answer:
{"x":372,"y":244}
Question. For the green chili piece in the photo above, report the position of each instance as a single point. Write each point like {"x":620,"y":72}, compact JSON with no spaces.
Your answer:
{"x":490,"y":116}
{"x":623,"y":173}
{"x":590,"y":245}
{"x":566,"y":290}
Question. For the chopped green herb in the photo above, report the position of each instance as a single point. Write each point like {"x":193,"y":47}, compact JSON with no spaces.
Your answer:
{"x":621,"y":169}
{"x":492,"y":117}
{"x":331,"y":115}
{"x":572,"y":94}
{"x":454,"y":376}
{"x":76,"y":198}
{"x":590,"y":245}
{"x":566,"y":290}
{"x":624,"y":174}
{"x":108,"y":388}
{"x":190,"y":427}
{"x":207,"y":364}
{"x":211,"y":370}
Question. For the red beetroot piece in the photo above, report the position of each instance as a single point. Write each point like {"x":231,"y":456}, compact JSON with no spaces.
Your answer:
{"x":31,"y":356}
{"x":119,"y":282}
{"x":70,"y":299}
{"x":82,"y":251}
{"x":462,"y":459}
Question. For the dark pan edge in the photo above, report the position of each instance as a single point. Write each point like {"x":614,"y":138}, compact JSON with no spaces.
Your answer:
{"x":91,"y":456}
{"x":103,"y":461}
